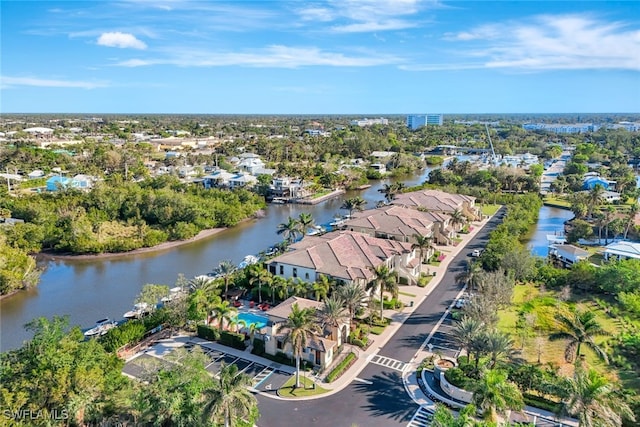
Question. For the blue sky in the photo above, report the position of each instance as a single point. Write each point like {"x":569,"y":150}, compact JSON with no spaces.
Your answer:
{"x":340,"y":57}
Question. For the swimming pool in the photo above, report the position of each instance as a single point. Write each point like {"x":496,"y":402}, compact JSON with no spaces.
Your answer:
{"x":250,"y":318}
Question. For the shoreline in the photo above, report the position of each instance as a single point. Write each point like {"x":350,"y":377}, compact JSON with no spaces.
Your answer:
{"x":157,"y":248}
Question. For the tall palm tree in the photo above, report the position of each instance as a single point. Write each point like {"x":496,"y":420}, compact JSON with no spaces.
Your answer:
{"x":279,"y":285}
{"x":458,"y":218}
{"x":321,"y":287}
{"x":633,"y":211}
{"x":261,"y":276}
{"x":301,"y":325}
{"x":579,"y":327}
{"x":353,"y":204}
{"x":200,"y":282}
{"x":223,"y":311}
{"x":472,"y":275}
{"x":226,"y":269}
{"x":594,"y":400}
{"x":385,"y":280}
{"x":465,"y":332}
{"x":353,"y":297}
{"x":228,"y":399}
{"x":390,"y":191}
{"x":595,"y":197}
{"x":332,"y":314}
{"x":305,"y":222}
{"x":422,"y":244}
{"x":290,"y":230}
{"x":609,"y":216}
{"x":499,"y":346}
{"x":494,"y":395}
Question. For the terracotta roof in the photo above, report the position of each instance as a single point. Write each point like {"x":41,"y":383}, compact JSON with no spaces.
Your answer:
{"x":283,"y":309}
{"x":433,"y":200}
{"x":342,"y":254}
{"x":398,"y":220}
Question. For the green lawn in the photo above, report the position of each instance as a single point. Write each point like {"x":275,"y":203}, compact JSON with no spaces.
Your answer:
{"x":490,"y":209}
{"x":407,"y":294}
{"x":320,"y":193}
{"x":306,"y":384}
{"x":556,"y":201}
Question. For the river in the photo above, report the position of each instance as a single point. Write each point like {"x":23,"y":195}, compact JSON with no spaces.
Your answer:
{"x":550,"y":221}
{"x":87,"y":290}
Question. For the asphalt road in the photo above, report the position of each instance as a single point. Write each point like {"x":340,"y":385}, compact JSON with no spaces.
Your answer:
{"x":384,"y":402}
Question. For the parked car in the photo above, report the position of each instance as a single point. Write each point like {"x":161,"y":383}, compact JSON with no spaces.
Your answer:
{"x":476,"y":252}
{"x":460,"y":303}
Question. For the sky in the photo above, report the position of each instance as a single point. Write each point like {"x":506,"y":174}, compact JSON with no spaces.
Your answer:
{"x":325,"y":57}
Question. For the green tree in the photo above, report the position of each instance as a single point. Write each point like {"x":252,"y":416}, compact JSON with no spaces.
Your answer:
{"x":499,"y":346}
{"x":301,"y":327}
{"x":332,"y":314}
{"x":458,"y":218}
{"x":423,"y":244}
{"x":385,"y":280}
{"x":353,"y":297}
{"x":229,"y":400}
{"x":290,"y":230}
{"x":226,"y":269}
{"x":152,"y":294}
{"x":466,"y":331}
{"x":305,"y":221}
{"x":353,"y":204}
{"x":261,"y":276}
{"x":595,"y":197}
{"x":223,"y":311}
{"x":579,"y":327}
{"x":494,"y":395}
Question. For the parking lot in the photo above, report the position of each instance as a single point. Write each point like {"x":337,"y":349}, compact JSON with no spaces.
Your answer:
{"x":266,"y":376}
{"x":442,"y":341}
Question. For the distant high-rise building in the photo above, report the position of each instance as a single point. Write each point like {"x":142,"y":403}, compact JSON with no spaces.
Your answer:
{"x":415,"y":121}
{"x":370,"y":122}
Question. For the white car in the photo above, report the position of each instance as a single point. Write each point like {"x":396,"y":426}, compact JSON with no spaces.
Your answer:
{"x":476,"y":253}
{"x":460,"y":303}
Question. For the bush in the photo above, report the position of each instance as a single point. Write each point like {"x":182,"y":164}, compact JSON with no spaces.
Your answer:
{"x":128,"y":333}
{"x":342,"y":366}
{"x":391,"y":304}
{"x":232,"y":339}
{"x":208,"y":333}
{"x":258,"y":347}
{"x":284,"y":359}
{"x":541,"y":402}
{"x":362,"y":343}
{"x":456,"y":377}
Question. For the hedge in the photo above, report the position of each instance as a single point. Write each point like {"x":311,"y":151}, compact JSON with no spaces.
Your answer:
{"x":541,"y":403}
{"x":258,"y":347}
{"x":208,"y":333}
{"x":341,"y":368}
{"x":232,"y":339}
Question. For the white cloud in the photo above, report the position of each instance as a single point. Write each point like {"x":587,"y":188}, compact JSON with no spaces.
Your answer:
{"x":276,"y":56}
{"x":8,"y":81}
{"x":566,"y":42}
{"x":121,"y":40}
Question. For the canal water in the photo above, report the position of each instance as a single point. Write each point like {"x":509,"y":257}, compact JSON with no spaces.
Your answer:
{"x":550,"y":222}
{"x":87,"y":290}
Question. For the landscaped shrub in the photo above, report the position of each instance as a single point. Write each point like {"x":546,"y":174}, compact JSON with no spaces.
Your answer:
{"x":362,"y":343}
{"x":232,"y":339}
{"x":541,"y":402}
{"x":456,"y":377}
{"x":341,"y":368}
{"x":128,"y":333}
{"x":258,"y":347}
{"x":391,"y":304}
{"x":207,"y":333}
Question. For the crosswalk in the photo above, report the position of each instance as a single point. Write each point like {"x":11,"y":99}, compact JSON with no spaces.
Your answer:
{"x":422,"y":418}
{"x":388,"y":362}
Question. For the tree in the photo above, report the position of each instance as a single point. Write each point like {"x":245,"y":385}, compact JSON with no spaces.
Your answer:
{"x":609,"y":216}
{"x":332,"y":314}
{"x":593,"y":399}
{"x":152,"y":294}
{"x":494,"y":395}
{"x":384,"y":280}
{"x":305,"y":221}
{"x":633,"y":211}
{"x":200,"y":303}
{"x":466,"y":331}
{"x":391,"y":190}
{"x":229,"y":400}
{"x":471,"y":275}
{"x":290,"y":230}
{"x":353,"y":297}
{"x":223,"y":311}
{"x":499,"y":345}
{"x":301,"y":326}
{"x":458,"y":218}
{"x":200,"y":282}
{"x":579,"y":327}
{"x":353,"y":204}
{"x":595,"y":197}
{"x":226,"y":269}
{"x":422,"y":244}
{"x":443,"y":417}
{"x":321,"y":287}
{"x":259,"y":275}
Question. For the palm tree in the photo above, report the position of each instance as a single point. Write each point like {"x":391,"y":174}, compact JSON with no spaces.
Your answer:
{"x":384,"y":281}
{"x":290,"y":230}
{"x":390,"y":191}
{"x":609,"y":215}
{"x":281,"y":286}
{"x":200,"y":303}
{"x":594,"y":400}
{"x":633,"y":211}
{"x":332,"y":314}
{"x":579,"y":328}
{"x":595,"y":198}
{"x":223,"y":311}
{"x":226,"y":269}
{"x":261,"y":276}
{"x":200,"y":282}
{"x":465,"y":332}
{"x":499,"y":345}
{"x":353,"y":297}
{"x":229,"y":400}
{"x":494,"y":395}
{"x":305,"y":221}
{"x":422,"y":244}
{"x":321,"y":287}
{"x":353,"y":204}
{"x":472,"y":275}
{"x":458,"y":218}
{"x":301,"y":325}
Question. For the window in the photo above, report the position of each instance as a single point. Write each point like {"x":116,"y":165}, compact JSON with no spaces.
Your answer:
{"x":295,"y":272}
{"x":280,"y":346}
{"x":281,"y":270}
{"x":306,"y":276}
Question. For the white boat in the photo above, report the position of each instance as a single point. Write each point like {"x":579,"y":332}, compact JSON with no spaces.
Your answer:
{"x":101,"y":328}
{"x":338,"y":221}
{"x":318,"y":229}
{"x":173,"y":294}
{"x":248,"y":260}
{"x":139,"y":310}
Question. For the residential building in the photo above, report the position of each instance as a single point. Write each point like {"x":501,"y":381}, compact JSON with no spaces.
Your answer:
{"x":219,"y":178}
{"x":285,"y":186}
{"x":439,"y":201}
{"x":320,"y":349}
{"x":242,"y":180}
{"x":566,"y":255}
{"x":379,"y":167}
{"x":416,"y":121}
{"x":622,"y":250}
{"x":345,"y":256}
{"x":562,"y":128}
{"x":251,"y":163}
{"x":370,"y":122}
{"x":590,"y":182}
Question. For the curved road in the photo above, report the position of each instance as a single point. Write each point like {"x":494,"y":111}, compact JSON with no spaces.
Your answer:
{"x":384,"y":402}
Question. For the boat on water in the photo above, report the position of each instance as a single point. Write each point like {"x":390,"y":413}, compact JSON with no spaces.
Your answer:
{"x":248,"y":260}
{"x":318,"y":229}
{"x":139,"y":310}
{"x":102,"y":327}
{"x":173,"y":294}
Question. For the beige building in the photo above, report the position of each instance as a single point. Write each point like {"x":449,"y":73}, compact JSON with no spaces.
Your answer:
{"x":439,"y":201}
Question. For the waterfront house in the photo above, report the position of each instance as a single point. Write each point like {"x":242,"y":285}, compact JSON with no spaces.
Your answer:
{"x":320,"y":349}
{"x":590,"y":182}
{"x":56,"y":183}
{"x":346,"y":256}
{"x":251,"y":163}
{"x":242,"y":180}
{"x":566,"y":255}
{"x":219,"y":178}
{"x":285,"y":186}
{"x":441,"y":202}
{"x":622,"y":250}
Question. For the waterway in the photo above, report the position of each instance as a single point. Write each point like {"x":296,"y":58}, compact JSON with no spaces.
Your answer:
{"x":550,"y":221}
{"x":87,"y":290}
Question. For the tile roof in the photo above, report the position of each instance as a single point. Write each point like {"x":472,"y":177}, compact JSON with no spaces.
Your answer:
{"x":398,"y":220}
{"x":434,"y":200}
{"x":283,"y":309}
{"x":342,"y":254}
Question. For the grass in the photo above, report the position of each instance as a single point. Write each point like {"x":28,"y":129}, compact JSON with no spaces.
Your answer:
{"x":556,"y":201}
{"x":407,"y":294}
{"x":320,"y":194}
{"x":306,"y":384}
{"x":490,"y":209}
